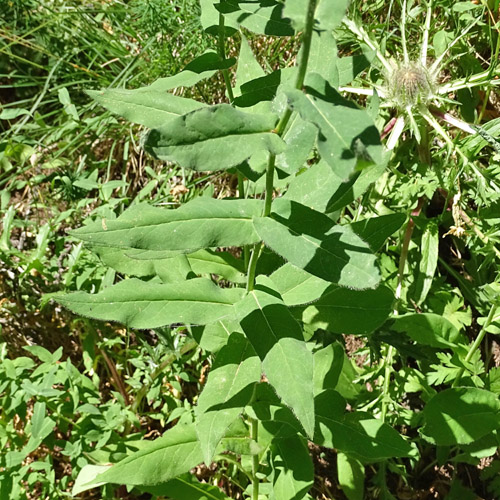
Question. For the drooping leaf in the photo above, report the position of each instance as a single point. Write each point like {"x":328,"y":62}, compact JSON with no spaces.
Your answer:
{"x":201,"y":223}
{"x":311,"y":241}
{"x":165,"y":458}
{"x":287,"y":363}
{"x":356,"y":434}
{"x":347,"y":137}
{"x":214,"y":138}
{"x":460,"y":415}
{"x":427,"y":328}
{"x":293,"y":471}
{"x":341,"y":310}
{"x":139,"y":304}
{"x":151,"y":108}
{"x":429,"y":252}
{"x":228,"y":389}
{"x":263,"y":17}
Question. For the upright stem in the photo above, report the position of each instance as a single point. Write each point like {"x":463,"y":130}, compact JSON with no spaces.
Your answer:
{"x":280,"y":129}
{"x":254,"y":429}
{"x":427,"y":27}
{"x":222,"y":54}
{"x":475,"y":345}
{"x":403,"y":33}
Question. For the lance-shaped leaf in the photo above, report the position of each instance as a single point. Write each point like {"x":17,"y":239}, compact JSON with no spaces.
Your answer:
{"x":357,"y":434}
{"x":151,"y":108}
{"x":277,"y":338}
{"x":214,"y":138}
{"x":228,"y":389}
{"x":264,"y":17}
{"x":201,"y":223}
{"x":376,"y":230}
{"x":139,"y":304}
{"x":311,"y":241}
{"x":328,"y":14}
{"x":347,"y":137}
{"x":461,"y":415}
{"x":341,"y":310}
{"x":175,"y":453}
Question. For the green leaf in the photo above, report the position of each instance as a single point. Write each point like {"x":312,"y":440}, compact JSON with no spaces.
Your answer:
{"x":297,"y":286}
{"x":328,"y":363}
{"x":311,"y":241}
{"x":228,"y":389}
{"x":287,"y":363}
{"x":214,"y":138}
{"x":460,"y":415}
{"x":293,"y":471}
{"x":357,"y":434}
{"x":263,"y":17}
{"x":376,"y":230}
{"x":148,"y":107}
{"x":349,"y":67}
{"x":200,"y":68}
{"x":259,"y":89}
{"x":341,"y":310}
{"x":328,"y":15}
{"x":427,"y":328}
{"x":351,"y":475}
{"x":214,"y":336}
{"x":323,"y":58}
{"x":139,"y":304}
{"x":201,"y":223}
{"x":175,"y":453}
{"x":248,"y":68}
{"x":210,"y":19}
{"x":347,"y":137}
{"x":223,"y":264}
{"x":429,"y":252}
{"x":186,"y":487}
{"x":86,"y":478}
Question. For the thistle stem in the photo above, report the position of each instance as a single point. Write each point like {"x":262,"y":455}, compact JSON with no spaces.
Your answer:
{"x":403,"y":33}
{"x":425,"y":41}
{"x":254,"y":430}
{"x":280,"y":129}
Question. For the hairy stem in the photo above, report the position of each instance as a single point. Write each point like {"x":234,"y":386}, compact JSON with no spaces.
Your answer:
{"x":280,"y":129}
{"x":222,"y":53}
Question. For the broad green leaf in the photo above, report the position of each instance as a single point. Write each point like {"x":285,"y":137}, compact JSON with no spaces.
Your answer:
{"x":139,"y":304}
{"x":356,"y":434}
{"x":263,"y":17}
{"x":214,"y":138}
{"x":349,"y":67}
{"x":328,"y":363}
{"x":323,"y":57}
{"x":165,"y":458}
{"x":428,"y":329}
{"x":228,"y":389}
{"x":299,"y":138}
{"x":311,"y":241}
{"x":429,"y":252}
{"x":176,"y":269}
{"x":287,"y":363}
{"x":342,"y":310}
{"x":460,"y":415}
{"x":347,"y":137}
{"x":257,"y":90}
{"x":376,"y":230}
{"x":351,"y":475}
{"x":186,"y":487}
{"x":201,"y":223}
{"x":198,"y":69}
{"x":293,"y":471}
{"x":297,"y":286}
{"x":151,"y":108}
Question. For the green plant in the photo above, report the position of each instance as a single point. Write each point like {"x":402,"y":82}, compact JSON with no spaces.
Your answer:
{"x":269,"y":286}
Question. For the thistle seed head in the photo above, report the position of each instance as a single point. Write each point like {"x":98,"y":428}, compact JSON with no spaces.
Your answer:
{"x":410,"y":84}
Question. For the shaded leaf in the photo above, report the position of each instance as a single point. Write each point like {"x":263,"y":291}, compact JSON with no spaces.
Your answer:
{"x":311,"y":241}
{"x":460,"y":415}
{"x":286,"y":361}
{"x":376,"y":230}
